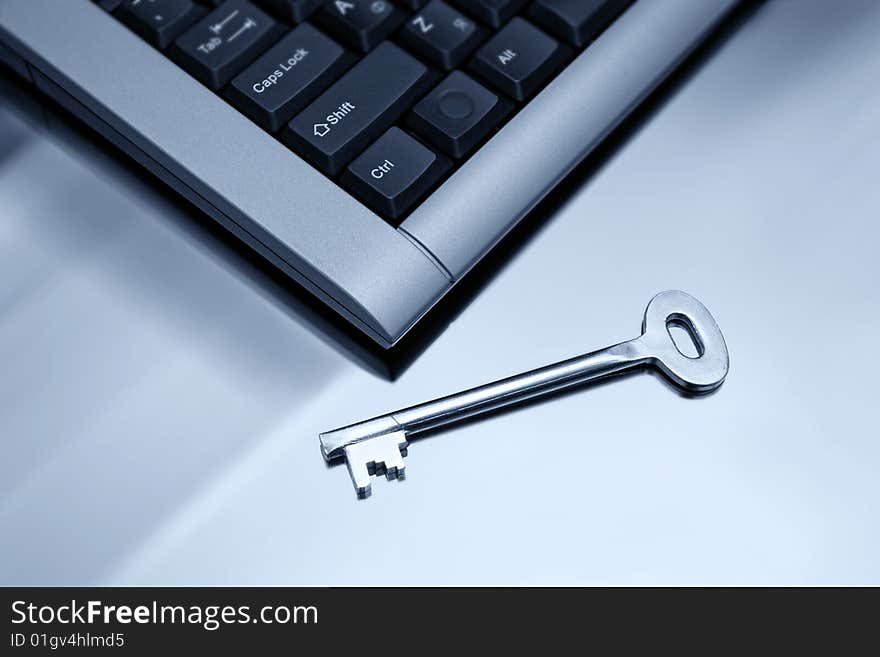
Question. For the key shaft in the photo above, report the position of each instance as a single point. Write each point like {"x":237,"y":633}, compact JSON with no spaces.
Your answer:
{"x":521,"y":387}
{"x":491,"y":396}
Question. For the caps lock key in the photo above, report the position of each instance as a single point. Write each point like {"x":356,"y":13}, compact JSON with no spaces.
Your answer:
{"x":289,"y":76}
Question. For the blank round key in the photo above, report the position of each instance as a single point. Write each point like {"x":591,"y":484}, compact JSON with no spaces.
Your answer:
{"x":377,"y":446}
{"x":458,"y":114}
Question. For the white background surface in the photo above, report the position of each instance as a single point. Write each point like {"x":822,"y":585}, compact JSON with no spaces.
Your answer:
{"x":159,"y":410}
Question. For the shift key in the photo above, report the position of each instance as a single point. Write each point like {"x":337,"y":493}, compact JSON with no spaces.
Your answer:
{"x":359,"y":107}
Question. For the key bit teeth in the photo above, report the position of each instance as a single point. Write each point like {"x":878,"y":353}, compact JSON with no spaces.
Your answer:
{"x":360,"y":477}
{"x":375,"y":457}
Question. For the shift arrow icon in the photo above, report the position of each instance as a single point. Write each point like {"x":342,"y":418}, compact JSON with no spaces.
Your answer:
{"x":321,"y":129}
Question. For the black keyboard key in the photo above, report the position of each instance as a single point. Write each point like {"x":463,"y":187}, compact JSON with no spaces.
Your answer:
{"x":519,"y":59}
{"x":108,"y":5}
{"x":394,"y":173}
{"x":442,"y":35}
{"x":358,"y":108}
{"x":493,"y":12}
{"x":159,"y":21}
{"x":293,"y":10}
{"x":288,"y":77}
{"x":413,"y":4}
{"x":458,"y":114}
{"x":224,"y":42}
{"x":577,"y":21}
{"x":362,"y":24}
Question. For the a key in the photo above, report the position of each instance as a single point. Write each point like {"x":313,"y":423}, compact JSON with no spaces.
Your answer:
{"x":288,"y":77}
{"x":362,"y":24}
{"x":458,"y":114}
{"x":519,"y":59}
{"x":377,"y":446}
{"x":159,"y":21}
{"x":577,"y":21}
{"x":442,"y":35}
{"x":224,"y":42}
{"x":359,"y":107}
{"x":394,"y":173}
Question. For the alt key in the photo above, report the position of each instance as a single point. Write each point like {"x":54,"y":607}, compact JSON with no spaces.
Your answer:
{"x":394,"y":173}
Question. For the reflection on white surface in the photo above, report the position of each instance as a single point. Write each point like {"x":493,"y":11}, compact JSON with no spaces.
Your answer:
{"x":158,"y":416}
{"x":136,"y":371}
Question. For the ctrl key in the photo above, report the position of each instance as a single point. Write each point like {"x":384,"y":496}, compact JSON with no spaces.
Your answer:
{"x":394,"y":173}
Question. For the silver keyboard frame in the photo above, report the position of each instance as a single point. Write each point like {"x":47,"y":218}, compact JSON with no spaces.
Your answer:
{"x":382,"y":279}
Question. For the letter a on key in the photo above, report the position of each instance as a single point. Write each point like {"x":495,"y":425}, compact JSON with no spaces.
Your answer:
{"x":343,"y":7}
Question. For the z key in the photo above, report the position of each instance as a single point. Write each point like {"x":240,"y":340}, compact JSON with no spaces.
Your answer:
{"x":442,"y":35}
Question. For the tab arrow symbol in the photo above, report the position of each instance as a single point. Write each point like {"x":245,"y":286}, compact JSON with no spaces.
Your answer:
{"x":321,"y":129}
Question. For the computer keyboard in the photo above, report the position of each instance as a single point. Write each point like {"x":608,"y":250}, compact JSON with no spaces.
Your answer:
{"x":374,"y":151}
{"x":385,"y":98}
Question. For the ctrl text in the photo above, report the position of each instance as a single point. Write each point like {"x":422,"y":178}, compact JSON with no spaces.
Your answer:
{"x":382,"y":169}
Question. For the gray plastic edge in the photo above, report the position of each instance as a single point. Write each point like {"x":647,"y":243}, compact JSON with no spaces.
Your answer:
{"x":373,"y":274}
{"x":558,"y":128}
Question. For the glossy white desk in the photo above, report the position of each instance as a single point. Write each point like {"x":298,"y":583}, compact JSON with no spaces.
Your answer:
{"x":159,"y":406}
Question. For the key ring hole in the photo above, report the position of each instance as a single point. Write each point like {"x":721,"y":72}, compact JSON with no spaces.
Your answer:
{"x":684,"y":336}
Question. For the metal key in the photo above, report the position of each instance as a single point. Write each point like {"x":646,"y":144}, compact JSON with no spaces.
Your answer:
{"x":377,"y":446}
